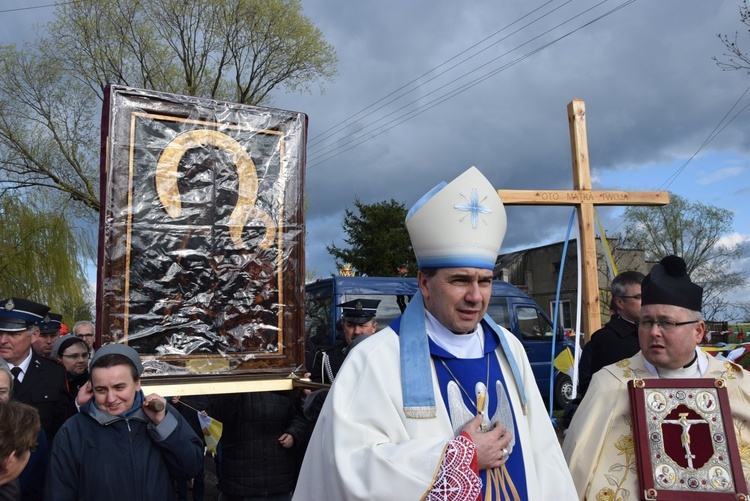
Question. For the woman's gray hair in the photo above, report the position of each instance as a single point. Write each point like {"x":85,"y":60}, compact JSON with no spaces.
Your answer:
{"x":4,"y":368}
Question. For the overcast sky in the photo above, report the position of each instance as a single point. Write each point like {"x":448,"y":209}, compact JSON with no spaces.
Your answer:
{"x":428,"y":88}
{"x":653,"y":96}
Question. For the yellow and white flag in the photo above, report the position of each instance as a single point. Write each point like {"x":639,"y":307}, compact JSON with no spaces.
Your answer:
{"x":211,"y":431}
{"x":564,"y":362}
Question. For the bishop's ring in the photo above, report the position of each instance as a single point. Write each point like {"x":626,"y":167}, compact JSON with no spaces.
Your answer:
{"x":505,"y":454}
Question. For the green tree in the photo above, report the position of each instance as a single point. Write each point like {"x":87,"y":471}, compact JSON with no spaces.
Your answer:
{"x":693,"y":231}
{"x":51,"y":89}
{"x":40,"y":259}
{"x":379,"y":244}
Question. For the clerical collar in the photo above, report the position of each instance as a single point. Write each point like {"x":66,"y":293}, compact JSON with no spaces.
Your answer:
{"x":628,"y":321}
{"x":694,"y":369}
{"x":469,"y":345}
{"x":695,"y":359}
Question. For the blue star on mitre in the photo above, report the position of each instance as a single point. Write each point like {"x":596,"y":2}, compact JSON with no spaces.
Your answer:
{"x":474,"y":208}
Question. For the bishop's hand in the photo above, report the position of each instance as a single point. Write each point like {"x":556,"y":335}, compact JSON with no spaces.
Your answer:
{"x":493,"y":446}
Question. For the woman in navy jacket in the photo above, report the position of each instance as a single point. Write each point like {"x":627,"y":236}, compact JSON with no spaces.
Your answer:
{"x":119,"y":446}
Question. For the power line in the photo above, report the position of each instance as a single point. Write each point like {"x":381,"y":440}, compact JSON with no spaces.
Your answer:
{"x":36,"y":7}
{"x":440,"y":99}
{"x":666,"y":184}
{"x":323,"y":135}
{"x":457,"y":91}
{"x":715,"y":132}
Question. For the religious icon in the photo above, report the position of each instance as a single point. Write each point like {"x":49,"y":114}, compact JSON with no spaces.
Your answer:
{"x":665,"y":476}
{"x":685,"y":424}
{"x":656,"y":401}
{"x":202,"y":233}
{"x":705,"y":401}
{"x":684,"y":439}
{"x":720,"y":478}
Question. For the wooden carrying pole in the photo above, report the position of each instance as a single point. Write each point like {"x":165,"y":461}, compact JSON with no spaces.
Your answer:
{"x":584,"y":199}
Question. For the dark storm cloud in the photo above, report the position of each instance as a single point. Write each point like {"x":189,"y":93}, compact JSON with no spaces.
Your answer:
{"x":653,"y":95}
{"x":645,"y":72}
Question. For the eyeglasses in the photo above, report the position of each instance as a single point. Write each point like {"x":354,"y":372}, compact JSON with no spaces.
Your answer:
{"x":76,"y":356}
{"x":636,"y":297}
{"x":84,"y":335}
{"x":664,"y":325}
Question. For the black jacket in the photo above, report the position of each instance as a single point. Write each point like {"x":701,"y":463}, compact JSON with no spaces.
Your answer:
{"x":75,"y":381}
{"x":253,"y":463}
{"x":618,"y":339}
{"x":45,"y":387}
{"x":10,"y":491}
{"x":328,"y":361}
{"x":34,"y":473}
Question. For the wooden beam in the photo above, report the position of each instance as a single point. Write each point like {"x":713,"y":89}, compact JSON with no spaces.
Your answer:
{"x":181,"y":389}
{"x":592,"y":320}
{"x":572,"y":197}
{"x":583,"y":198}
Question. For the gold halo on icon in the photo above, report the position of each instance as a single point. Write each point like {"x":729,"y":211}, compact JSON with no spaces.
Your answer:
{"x":166,"y":178}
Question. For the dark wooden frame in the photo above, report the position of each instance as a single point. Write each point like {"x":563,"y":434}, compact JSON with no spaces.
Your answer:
{"x":647,"y":448}
{"x":123,"y":107}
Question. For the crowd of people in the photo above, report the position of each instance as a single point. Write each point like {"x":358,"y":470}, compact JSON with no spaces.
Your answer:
{"x":95,"y":434}
{"x":440,"y":405}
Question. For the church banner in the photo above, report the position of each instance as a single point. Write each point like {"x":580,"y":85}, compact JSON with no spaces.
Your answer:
{"x":201,"y":260}
{"x":685,"y":443}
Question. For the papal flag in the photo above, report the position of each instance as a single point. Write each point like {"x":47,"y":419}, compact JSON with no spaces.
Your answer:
{"x":211,"y":431}
{"x":564,"y":362}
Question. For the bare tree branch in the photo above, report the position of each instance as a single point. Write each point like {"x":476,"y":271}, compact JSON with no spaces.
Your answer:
{"x":693,"y":231}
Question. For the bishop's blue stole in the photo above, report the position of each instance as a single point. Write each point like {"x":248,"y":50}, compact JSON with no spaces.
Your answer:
{"x":509,"y":481}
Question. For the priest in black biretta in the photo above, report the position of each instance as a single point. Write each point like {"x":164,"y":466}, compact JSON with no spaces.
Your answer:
{"x":670,"y":329}
{"x":669,"y":283}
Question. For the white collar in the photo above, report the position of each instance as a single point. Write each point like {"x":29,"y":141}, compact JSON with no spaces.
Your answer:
{"x":627,"y":320}
{"x":469,"y":345}
{"x":24,"y":365}
{"x":694,"y":370}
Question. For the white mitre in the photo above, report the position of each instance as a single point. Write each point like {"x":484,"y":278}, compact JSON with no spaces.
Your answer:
{"x":457,"y":225}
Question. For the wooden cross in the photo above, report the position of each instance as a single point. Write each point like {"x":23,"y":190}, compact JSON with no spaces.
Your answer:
{"x":584,"y":199}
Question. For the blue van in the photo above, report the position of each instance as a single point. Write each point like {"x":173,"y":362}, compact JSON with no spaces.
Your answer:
{"x":509,"y":307}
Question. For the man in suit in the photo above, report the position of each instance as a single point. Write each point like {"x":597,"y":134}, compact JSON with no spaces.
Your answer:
{"x":38,"y":381}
